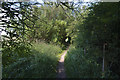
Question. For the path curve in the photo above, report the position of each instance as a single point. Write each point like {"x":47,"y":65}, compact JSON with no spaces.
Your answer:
{"x":60,"y":68}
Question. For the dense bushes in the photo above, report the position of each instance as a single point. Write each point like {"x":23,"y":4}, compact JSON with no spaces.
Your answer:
{"x":55,"y":28}
{"x":80,"y":65}
{"x":97,"y":43}
{"x":40,"y":64}
{"x":89,"y":65}
{"x":12,"y":53}
{"x":95,"y":52}
{"x":26,"y":24}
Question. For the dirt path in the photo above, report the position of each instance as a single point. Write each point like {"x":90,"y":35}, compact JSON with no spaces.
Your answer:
{"x":60,"y":68}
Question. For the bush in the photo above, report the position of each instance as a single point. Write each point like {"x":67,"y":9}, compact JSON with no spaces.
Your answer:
{"x":40,"y":64}
{"x":79,"y":65}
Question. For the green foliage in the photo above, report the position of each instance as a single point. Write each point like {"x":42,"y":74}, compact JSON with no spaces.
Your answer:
{"x":89,"y":28}
{"x":40,"y":64}
{"x":99,"y":28}
{"x":11,"y":54}
{"x":26,"y":24}
{"x":16,"y":27}
{"x":53,"y":25}
{"x":79,"y":65}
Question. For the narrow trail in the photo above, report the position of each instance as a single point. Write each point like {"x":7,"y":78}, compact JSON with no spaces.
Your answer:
{"x":60,"y":68}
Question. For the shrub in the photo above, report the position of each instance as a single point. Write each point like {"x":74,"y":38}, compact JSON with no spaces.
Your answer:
{"x":80,"y":65}
{"x":40,"y":64}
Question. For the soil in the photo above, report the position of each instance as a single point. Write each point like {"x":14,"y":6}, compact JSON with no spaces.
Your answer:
{"x":60,"y":68}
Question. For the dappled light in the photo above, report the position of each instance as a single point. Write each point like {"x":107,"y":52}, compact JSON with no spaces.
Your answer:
{"x":59,"y":40}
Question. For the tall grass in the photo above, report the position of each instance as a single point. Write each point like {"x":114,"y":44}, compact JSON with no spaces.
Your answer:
{"x":40,"y":64}
{"x":80,"y":65}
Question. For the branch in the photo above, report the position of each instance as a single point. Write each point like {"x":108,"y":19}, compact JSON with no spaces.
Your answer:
{"x":64,"y":10}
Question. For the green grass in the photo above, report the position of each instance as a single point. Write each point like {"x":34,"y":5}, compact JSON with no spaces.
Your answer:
{"x":41,"y":63}
{"x":79,"y":65}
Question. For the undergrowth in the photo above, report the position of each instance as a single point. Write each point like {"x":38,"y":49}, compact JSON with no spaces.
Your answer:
{"x":40,"y":63}
{"x":80,"y":65}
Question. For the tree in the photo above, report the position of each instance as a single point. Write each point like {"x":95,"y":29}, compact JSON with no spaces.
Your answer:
{"x":53,"y":25}
{"x":100,"y":31}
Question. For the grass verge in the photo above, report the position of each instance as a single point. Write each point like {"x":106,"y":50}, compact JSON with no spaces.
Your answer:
{"x":41,"y":63}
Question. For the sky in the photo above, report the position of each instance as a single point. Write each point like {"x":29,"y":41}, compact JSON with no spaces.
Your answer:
{"x":41,"y":1}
